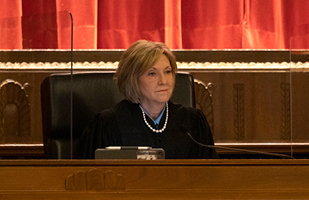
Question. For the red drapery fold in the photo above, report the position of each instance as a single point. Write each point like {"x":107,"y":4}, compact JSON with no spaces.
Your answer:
{"x":270,"y":24}
{"x":85,"y":17}
{"x":212,"y":24}
{"x":10,"y":24}
{"x":121,"y":25}
{"x":181,"y":24}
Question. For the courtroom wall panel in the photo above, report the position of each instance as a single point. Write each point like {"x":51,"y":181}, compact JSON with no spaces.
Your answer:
{"x":249,"y":107}
{"x":262,"y":106}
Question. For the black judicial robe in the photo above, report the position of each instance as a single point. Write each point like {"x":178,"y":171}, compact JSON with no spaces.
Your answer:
{"x":123,"y":125}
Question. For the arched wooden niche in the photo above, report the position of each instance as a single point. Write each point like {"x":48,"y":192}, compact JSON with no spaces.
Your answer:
{"x":15,"y":117}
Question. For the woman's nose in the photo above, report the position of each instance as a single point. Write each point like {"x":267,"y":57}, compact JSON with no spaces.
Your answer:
{"x":163,"y":79}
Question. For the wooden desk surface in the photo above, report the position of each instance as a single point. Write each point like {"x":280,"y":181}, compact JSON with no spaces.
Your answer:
{"x":158,"y":179}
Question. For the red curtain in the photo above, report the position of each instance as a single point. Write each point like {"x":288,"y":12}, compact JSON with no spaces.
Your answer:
{"x":212,"y":24}
{"x":271,"y":24}
{"x":181,"y":24}
{"x":10,"y":24}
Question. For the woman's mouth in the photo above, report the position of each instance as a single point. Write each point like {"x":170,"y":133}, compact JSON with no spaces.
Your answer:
{"x":165,"y":90}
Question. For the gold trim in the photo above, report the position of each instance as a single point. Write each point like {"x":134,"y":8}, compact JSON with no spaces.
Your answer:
{"x":181,"y":65}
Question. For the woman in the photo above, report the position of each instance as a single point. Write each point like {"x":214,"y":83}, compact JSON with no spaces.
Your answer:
{"x":146,"y":77}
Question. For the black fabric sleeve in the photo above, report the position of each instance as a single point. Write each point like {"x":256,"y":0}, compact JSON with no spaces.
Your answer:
{"x":201,"y":132}
{"x":101,"y":132}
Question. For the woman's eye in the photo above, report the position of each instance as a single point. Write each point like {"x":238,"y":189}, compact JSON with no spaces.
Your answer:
{"x":151,"y":73}
{"x":168,"y":71}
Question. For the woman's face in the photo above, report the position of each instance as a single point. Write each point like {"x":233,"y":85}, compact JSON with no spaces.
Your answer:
{"x":157,"y":83}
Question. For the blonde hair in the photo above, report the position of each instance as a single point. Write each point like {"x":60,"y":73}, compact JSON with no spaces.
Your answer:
{"x":137,"y":59}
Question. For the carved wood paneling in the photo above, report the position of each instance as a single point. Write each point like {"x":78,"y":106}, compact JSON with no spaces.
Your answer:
{"x":286,"y":112}
{"x":265,"y":105}
{"x":29,"y":142}
{"x":203,"y":100}
{"x":15,"y":120}
{"x":158,"y":179}
{"x":95,"y":179}
{"x":239,"y":111}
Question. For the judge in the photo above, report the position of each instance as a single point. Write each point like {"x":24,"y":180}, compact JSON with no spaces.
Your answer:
{"x":146,"y":117}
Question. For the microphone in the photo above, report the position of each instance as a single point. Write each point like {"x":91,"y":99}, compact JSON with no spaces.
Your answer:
{"x":186,"y":131}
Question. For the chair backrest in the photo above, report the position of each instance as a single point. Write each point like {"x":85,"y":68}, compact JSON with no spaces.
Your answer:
{"x":92,"y":93}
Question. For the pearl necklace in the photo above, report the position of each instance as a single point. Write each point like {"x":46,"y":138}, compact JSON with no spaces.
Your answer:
{"x":165,"y":123}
